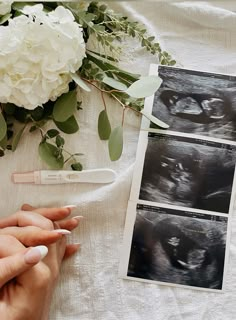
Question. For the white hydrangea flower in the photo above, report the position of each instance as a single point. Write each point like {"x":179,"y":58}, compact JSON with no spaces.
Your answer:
{"x":38,"y":51}
{"x":5,"y":6}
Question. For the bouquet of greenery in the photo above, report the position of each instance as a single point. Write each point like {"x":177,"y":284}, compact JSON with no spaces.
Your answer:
{"x":44,"y":58}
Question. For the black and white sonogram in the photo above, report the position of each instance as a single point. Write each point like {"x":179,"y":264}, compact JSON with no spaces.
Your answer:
{"x":188,"y":172}
{"x":178,"y":247}
{"x":197,"y":102}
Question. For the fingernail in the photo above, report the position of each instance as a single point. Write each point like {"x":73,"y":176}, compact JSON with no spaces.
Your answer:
{"x":70,"y":206}
{"x":61,"y":231}
{"x":78,"y":218}
{"x":35,"y":254}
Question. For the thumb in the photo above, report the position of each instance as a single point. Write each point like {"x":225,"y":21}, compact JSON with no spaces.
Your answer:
{"x":14,"y":265}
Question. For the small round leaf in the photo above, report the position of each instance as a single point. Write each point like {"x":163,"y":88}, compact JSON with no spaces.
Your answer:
{"x":77,"y":166}
{"x":60,"y":141}
{"x":52,"y":133}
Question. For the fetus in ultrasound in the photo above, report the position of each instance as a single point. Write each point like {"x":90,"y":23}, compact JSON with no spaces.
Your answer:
{"x":188,"y":174}
{"x":199,"y":108}
{"x":175,"y":170}
{"x":178,"y":250}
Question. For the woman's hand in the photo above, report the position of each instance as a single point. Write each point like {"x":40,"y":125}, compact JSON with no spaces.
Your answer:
{"x":26,"y":286}
{"x":39,"y":226}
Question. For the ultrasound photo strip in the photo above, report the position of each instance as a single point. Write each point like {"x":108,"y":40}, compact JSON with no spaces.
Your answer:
{"x":173,"y":247}
{"x":183,"y":188}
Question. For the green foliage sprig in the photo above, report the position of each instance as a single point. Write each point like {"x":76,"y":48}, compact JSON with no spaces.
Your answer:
{"x":100,"y":69}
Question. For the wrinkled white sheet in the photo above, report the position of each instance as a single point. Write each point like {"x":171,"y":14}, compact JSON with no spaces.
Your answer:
{"x":200,"y":35}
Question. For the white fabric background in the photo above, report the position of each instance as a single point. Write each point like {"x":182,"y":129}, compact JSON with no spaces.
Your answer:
{"x":200,"y":35}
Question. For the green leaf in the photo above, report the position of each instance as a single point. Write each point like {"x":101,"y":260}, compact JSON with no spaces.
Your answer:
{"x":107,"y":57}
{"x":49,"y":154}
{"x":3,"y":142}
{"x":77,"y":166}
{"x":114,"y":83}
{"x":16,"y":138}
{"x":52,"y":133}
{"x":155,"y":120}
{"x":105,"y":66}
{"x":37,"y":114}
{"x":5,"y":18}
{"x":104,"y":127}
{"x":9,"y":108}
{"x":3,"y":127}
{"x":80,"y":82}
{"x":115,"y":143}
{"x":65,"y":106}
{"x":69,"y":126}
{"x":144,"y":87}
{"x":60,"y":141}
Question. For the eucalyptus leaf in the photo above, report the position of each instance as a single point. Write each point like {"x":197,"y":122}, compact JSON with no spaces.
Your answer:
{"x":49,"y":154}
{"x":104,"y":127}
{"x":3,"y":127}
{"x":3,"y":142}
{"x":115,"y":143}
{"x":5,"y":18}
{"x":114,"y":83}
{"x":9,"y":108}
{"x":69,"y":126}
{"x":77,"y":166}
{"x":80,"y":82}
{"x":144,"y":87}
{"x":52,"y":133}
{"x":65,"y":106}
{"x":16,"y":138}
{"x":60,"y":141}
{"x":155,"y":120}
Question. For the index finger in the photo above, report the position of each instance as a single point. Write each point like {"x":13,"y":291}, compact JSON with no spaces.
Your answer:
{"x":24,"y":219}
{"x":54,"y":214}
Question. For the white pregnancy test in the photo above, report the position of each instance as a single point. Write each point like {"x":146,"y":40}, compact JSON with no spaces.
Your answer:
{"x":61,"y":176}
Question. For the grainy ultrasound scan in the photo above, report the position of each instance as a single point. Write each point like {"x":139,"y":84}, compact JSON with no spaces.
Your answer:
{"x":188,"y":172}
{"x":178,"y":247}
{"x":197,"y":102}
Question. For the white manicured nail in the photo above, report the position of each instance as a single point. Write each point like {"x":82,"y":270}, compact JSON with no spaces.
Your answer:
{"x":35,"y":254}
{"x":62,"y":231}
{"x":70,"y":206}
{"x":78,"y":218}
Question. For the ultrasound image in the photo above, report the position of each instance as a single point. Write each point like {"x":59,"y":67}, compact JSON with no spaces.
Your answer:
{"x":178,"y":247}
{"x":188,"y":172}
{"x":198,"y":103}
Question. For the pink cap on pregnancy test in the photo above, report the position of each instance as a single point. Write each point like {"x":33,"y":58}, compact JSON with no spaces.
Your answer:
{"x":61,"y":176}
{"x":24,"y":177}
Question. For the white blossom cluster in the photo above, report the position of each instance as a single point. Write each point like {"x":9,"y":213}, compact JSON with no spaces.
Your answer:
{"x":38,"y":51}
{"x":5,"y":7}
